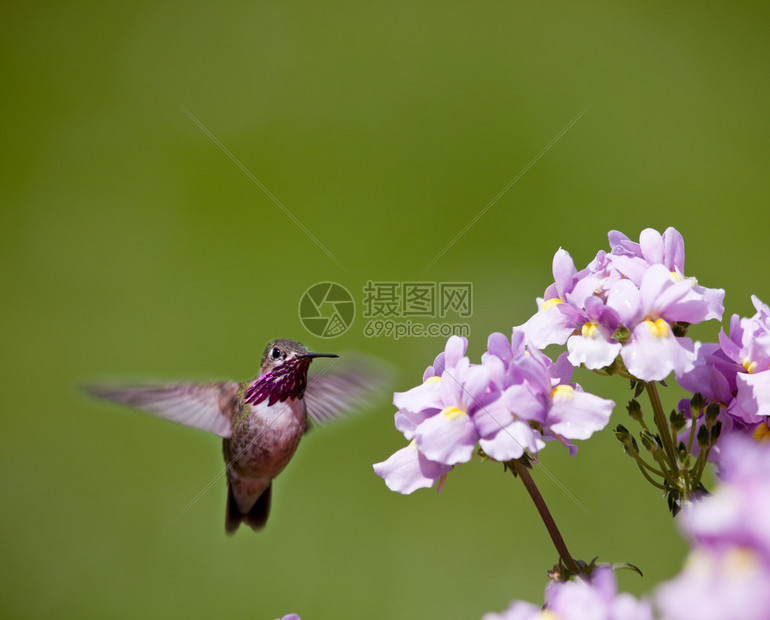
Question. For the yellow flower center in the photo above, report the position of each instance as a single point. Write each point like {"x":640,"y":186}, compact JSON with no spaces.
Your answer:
{"x":659,"y":328}
{"x":413,"y":444}
{"x":676,"y":276}
{"x":452,"y":413}
{"x":589,"y":330}
{"x":547,"y":614}
{"x":433,"y":379}
{"x":562,"y":392}
{"x":550,"y":303}
{"x":749,"y":365}
{"x":740,"y":561}
{"x":762,"y":433}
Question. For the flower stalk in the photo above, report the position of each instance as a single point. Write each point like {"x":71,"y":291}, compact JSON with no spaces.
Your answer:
{"x":662,"y":423}
{"x":520,"y":470}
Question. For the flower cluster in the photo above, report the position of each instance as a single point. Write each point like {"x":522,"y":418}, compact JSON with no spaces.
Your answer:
{"x":626,"y":313}
{"x":631,"y":301}
{"x":727,"y":572}
{"x":594,"y":597}
{"x":510,"y":404}
{"x":735,"y":374}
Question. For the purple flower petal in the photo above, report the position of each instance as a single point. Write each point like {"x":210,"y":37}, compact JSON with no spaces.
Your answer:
{"x":594,"y":599}
{"x":424,"y":396}
{"x":476,"y":383}
{"x":407,"y":470}
{"x":624,"y":298}
{"x":731,"y":346}
{"x":673,"y":250}
{"x":714,"y":299}
{"x":496,"y":369}
{"x":763,"y":310}
{"x":594,"y":348}
{"x":585,"y":289}
{"x":753,"y":400}
{"x":407,"y":421}
{"x":448,"y":437}
{"x":519,"y":400}
{"x":735,"y":515}
{"x":518,"y":610}
{"x":548,"y":325}
{"x":436,"y":370}
{"x":577,"y":415}
{"x":729,"y":585}
{"x":533,"y":370}
{"x":653,"y":351}
{"x":452,"y":383}
{"x":620,"y":243}
{"x":631,"y":267}
{"x":705,"y":377}
{"x":651,"y":244}
{"x":659,"y":290}
{"x":455,"y":350}
{"x":511,"y":441}
{"x":499,"y":346}
{"x":561,"y":370}
{"x":563,"y":271}
{"x":489,"y":419}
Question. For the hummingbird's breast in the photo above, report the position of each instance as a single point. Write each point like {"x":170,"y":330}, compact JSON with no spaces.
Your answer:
{"x":264,"y":440}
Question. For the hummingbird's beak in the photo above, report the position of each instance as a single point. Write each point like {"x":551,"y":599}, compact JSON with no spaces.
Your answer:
{"x":312,"y":355}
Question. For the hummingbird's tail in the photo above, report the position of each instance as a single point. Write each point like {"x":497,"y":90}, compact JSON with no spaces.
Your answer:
{"x":254,"y":518}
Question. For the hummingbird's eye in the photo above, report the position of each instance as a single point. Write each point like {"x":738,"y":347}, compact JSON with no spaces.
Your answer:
{"x":275,"y":353}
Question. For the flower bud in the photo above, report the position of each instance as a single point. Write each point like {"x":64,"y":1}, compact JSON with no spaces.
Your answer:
{"x":649,"y":441}
{"x":715,"y":433}
{"x":712,"y":412}
{"x":696,"y":404}
{"x":634,"y":410}
{"x":623,"y":435}
{"x":677,"y":420}
{"x":703,"y":437}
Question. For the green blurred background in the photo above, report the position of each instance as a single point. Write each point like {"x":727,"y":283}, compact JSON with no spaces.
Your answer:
{"x":134,"y":248}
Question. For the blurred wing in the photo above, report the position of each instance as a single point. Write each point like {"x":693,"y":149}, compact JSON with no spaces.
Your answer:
{"x":348,"y":386}
{"x":209,"y":407}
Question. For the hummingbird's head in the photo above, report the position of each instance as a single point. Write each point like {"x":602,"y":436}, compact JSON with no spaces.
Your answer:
{"x":279,"y":352}
{"x":283,"y":372}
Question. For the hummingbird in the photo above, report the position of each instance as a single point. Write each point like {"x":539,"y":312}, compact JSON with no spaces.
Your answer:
{"x":261,"y":421}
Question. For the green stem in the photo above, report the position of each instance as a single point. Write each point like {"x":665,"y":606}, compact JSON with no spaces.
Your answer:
{"x":661,"y":460}
{"x":698,"y":462}
{"x":649,"y":478}
{"x":662,"y":424}
{"x":685,"y":475}
{"x":692,"y":433}
{"x":522,"y":472}
{"x":617,"y":373}
{"x":705,"y":452}
{"x":643,"y":424}
{"x":642,"y":463}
